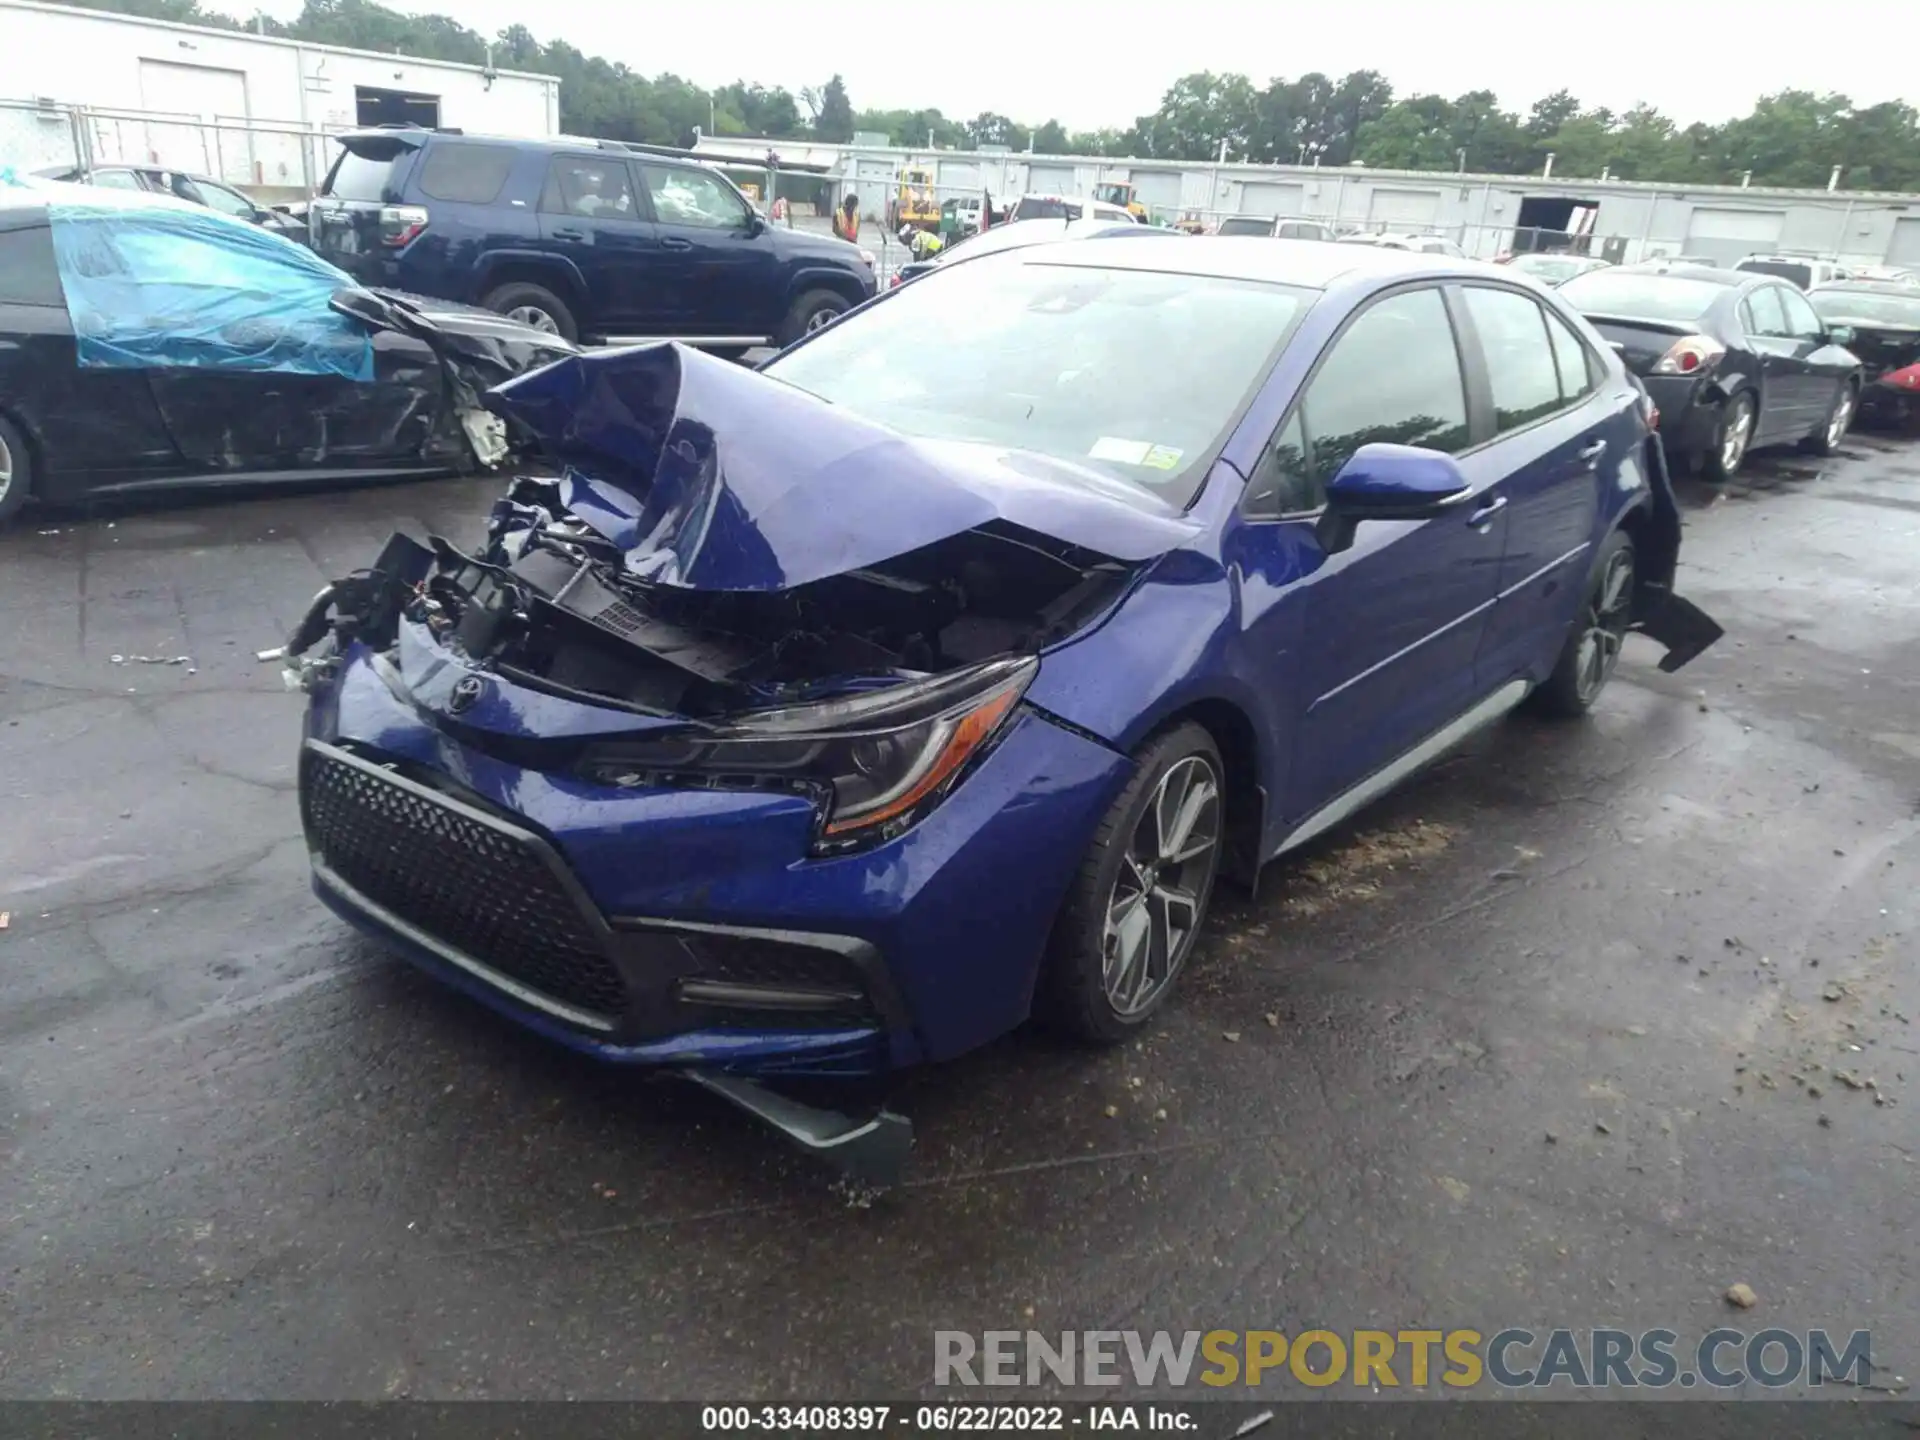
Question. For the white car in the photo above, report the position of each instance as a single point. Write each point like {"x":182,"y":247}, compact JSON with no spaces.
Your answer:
{"x":1421,"y":244}
{"x":1802,"y":270}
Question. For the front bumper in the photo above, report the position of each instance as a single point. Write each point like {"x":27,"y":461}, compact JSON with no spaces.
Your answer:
{"x":691,"y":927}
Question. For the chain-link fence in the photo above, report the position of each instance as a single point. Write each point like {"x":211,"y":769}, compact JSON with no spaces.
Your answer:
{"x":273,"y":160}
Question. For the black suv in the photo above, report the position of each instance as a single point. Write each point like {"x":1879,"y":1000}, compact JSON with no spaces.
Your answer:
{"x":594,"y":240}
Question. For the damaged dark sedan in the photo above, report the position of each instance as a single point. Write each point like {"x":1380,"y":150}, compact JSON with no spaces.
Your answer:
{"x":836,"y":717}
{"x":1881,"y":322}
{"x":148,"y":343}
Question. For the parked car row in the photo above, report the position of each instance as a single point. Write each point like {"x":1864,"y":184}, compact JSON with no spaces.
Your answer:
{"x":194,"y":189}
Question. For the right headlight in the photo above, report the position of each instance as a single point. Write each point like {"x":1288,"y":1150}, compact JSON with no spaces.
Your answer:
{"x":876,"y":761}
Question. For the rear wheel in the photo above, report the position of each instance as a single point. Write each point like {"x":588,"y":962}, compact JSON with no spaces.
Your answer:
{"x":1826,"y":440}
{"x":1731,"y":439}
{"x":814,"y":310}
{"x":16,"y":471}
{"x":1135,"y":909}
{"x":1593,"y":646}
{"x":534,"y":305}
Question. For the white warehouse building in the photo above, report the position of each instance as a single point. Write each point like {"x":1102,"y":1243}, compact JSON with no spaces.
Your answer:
{"x":92,"y":86}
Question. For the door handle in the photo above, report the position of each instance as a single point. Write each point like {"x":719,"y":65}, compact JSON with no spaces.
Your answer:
{"x":1590,"y":454}
{"x":673,"y":242}
{"x":1483,"y":517}
{"x":569,"y":234}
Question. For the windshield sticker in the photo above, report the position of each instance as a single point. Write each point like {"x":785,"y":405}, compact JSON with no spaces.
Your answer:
{"x":1162,"y":457}
{"x":1126,"y":452}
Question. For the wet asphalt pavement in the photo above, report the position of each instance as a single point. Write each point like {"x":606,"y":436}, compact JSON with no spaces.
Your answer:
{"x":1536,"y":1041}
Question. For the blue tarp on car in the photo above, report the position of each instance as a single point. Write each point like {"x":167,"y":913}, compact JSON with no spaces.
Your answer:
{"x":160,"y":284}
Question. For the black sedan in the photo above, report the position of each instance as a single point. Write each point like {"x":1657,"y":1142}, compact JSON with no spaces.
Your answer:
{"x":1732,"y":359}
{"x":194,"y":189}
{"x":1884,"y":316}
{"x":147,"y":343}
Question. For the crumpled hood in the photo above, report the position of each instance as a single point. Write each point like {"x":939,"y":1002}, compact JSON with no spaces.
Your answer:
{"x":711,"y":476}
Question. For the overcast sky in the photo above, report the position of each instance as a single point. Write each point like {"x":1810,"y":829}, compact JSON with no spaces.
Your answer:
{"x":1091,"y":64}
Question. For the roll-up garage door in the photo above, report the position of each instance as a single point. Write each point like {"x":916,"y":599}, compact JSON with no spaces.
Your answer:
{"x":1404,"y":209}
{"x":1726,"y":235}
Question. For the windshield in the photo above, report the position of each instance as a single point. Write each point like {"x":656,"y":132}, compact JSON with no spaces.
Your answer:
{"x":1063,"y":361}
{"x":1112,"y":194}
{"x":1801,"y":275}
{"x":1640,"y":296}
{"x":1549,"y":267}
{"x":1867,"y":307}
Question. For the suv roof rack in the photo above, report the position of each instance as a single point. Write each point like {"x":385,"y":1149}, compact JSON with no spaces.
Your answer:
{"x":679,"y":152}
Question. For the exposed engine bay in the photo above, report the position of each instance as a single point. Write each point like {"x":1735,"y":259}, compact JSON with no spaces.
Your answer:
{"x":548,"y":601}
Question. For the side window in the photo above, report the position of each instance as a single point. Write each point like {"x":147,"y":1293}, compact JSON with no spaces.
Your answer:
{"x":1577,"y":377}
{"x":228,"y":202}
{"x":1393,"y":376}
{"x":693,"y":197}
{"x":1282,"y":483}
{"x":464,"y":174}
{"x":1520,"y":366}
{"x":28,"y":275}
{"x":116,"y":179}
{"x":1802,"y":322}
{"x":597,"y":189}
{"x":1762,"y":313}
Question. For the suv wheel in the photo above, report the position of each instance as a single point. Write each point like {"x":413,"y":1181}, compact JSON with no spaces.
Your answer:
{"x":535,"y":306}
{"x":814,"y":310}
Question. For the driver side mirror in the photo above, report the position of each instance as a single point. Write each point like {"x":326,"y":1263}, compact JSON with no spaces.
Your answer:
{"x":1388,"y":482}
{"x":755,"y":224}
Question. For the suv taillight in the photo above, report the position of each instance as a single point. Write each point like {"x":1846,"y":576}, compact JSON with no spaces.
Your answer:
{"x":1689,"y":356}
{"x":401,"y":224}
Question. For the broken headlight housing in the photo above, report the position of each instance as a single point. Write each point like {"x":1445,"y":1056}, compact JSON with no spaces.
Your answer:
{"x":876,"y":761}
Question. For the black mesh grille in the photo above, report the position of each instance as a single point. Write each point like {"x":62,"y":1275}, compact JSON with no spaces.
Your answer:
{"x":753,"y":961}
{"x":482,"y":892}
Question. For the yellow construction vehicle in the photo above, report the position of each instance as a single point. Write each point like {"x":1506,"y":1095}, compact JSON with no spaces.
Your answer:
{"x":917,"y":204}
{"x":1118,"y":192}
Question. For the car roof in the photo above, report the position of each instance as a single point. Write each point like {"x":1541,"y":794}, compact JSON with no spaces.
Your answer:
{"x":41,"y":193}
{"x":1874,"y":287}
{"x":1713,"y":275}
{"x":1253,"y":257}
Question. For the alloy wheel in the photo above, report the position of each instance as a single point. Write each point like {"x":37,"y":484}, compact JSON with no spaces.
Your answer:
{"x":821,"y":318}
{"x":1153,"y":913}
{"x":534,"y":316}
{"x":1733,"y":444}
{"x":6,"y":468}
{"x":1605,"y":623}
{"x":1842,"y":417}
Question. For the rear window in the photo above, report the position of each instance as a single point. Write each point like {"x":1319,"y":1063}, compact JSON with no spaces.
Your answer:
{"x":27,"y":272}
{"x":1246,"y":225}
{"x":1035,"y":208}
{"x":361,"y":177}
{"x":1640,"y":297}
{"x":465,"y":174}
{"x":1801,"y":275}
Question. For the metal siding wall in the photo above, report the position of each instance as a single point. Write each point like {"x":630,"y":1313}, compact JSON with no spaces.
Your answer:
{"x":1262,"y":199}
{"x":1905,"y":248}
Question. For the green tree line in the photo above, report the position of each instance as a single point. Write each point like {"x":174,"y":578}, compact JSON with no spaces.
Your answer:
{"x":1792,"y":138}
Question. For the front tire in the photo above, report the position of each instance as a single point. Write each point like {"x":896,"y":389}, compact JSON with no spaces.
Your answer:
{"x":16,"y":471}
{"x":1732,"y":438}
{"x":1136,"y":906}
{"x":534,"y":305}
{"x":1592,"y":650}
{"x":1826,"y":440}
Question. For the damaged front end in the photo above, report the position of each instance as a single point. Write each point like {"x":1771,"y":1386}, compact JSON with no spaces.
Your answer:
{"x":666,"y":765}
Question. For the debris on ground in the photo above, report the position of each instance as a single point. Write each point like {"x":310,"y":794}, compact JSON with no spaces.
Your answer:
{"x":1456,"y":1189}
{"x":1273,"y":1018}
{"x":1232,"y":1036}
{"x":1834,"y":992}
{"x":279,"y":652}
{"x":1603,"y":1127}
{"x":1741,"y":1295}
{"x":152,"y":659}
{"x":6,"y":918}
{"x":1354,"y":871}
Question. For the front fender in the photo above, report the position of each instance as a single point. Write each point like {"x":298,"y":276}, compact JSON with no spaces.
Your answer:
{"x":824,"y":275}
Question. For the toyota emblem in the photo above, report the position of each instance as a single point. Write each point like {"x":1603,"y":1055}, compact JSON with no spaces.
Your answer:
{"x":465,"y":694}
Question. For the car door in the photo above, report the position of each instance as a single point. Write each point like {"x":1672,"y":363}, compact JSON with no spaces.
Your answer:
{"x":591,"y":217}
{"x":251,"y":370}
{"x":1541,"y":460}
{"x":1382,"y":653}
{"x":1824,"y":366}
{"x":721,"y":269}
{"x":1783,"y":378}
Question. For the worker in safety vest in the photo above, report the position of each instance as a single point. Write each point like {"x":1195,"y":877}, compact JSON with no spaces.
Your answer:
{"x":846,"y":220}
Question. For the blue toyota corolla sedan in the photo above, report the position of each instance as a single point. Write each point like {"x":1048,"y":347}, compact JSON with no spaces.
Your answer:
{"x":836,"y":716}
